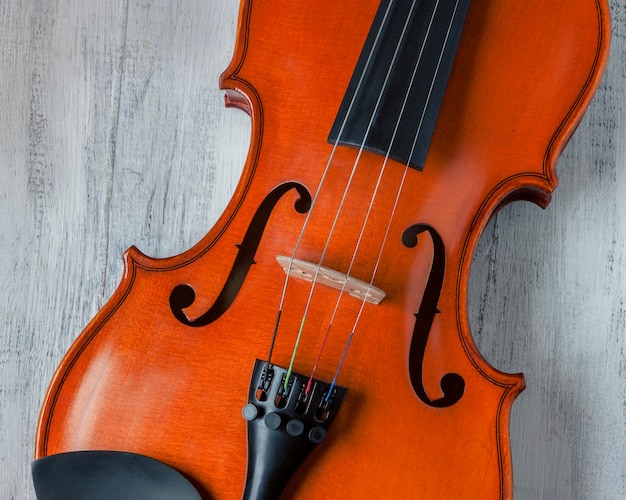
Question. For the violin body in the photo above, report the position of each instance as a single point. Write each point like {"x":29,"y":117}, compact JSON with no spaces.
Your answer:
{"x":144,"y":377}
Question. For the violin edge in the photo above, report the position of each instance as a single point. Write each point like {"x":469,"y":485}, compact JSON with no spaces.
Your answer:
{"x":571,"y":122}
{"x":538,"y":190}
{"x":529,"y":186}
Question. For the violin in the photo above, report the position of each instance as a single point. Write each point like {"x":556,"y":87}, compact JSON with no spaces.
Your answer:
{"x":315,"y":343}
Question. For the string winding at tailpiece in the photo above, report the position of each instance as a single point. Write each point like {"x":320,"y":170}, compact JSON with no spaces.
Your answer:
{"x":283,"y":426}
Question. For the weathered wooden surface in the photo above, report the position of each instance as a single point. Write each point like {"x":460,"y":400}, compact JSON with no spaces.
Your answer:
{"x":113,"y":132}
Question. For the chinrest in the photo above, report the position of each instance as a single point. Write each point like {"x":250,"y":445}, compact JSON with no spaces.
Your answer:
{"x":108,"y":475}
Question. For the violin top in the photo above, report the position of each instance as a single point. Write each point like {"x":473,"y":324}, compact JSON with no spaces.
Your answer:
{"x":164,"y":368}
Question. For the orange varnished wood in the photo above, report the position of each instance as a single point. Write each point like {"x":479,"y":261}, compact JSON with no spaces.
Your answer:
{"x":138,"y":380}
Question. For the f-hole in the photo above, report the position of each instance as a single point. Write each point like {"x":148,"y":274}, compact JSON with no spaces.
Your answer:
{"x":184,"y":295}
{"x":452,"y":384}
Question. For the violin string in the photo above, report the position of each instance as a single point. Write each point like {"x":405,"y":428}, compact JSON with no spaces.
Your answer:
{"x":319,"y":188}
{"x":371,"y":205}
{"x":406,"y":168}
{"x":345,"y":195}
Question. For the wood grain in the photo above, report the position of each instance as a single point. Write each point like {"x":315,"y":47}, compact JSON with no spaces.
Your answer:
{"x":113,"y":133}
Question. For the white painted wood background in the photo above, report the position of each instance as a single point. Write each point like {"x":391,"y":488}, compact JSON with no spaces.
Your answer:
{"x":113,"y":133}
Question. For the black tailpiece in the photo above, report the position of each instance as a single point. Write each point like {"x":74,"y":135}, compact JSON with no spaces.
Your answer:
{"x":283,"y":426}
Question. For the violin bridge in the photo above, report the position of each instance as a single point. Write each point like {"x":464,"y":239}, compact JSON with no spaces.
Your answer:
{"x":308,"y":271}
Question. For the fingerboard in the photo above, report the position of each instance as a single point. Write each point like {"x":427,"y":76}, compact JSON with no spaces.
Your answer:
{"x":395,"y":93}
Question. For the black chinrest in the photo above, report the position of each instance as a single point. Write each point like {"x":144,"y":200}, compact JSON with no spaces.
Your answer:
{"x":108,"y":475}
